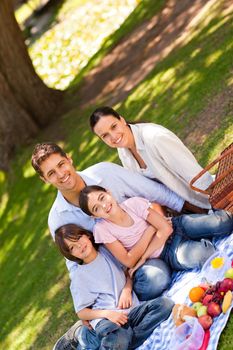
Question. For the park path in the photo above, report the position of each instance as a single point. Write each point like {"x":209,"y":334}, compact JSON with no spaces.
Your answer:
{"x":136,"y":55}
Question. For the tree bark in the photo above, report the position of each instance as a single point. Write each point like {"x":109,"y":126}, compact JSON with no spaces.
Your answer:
{"x":26,"y":103}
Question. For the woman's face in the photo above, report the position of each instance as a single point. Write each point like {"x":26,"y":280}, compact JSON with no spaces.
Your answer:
{"x":101,"y":204}
{"x":114,"y":132}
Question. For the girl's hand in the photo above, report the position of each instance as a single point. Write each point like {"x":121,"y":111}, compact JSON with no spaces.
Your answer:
{"x":134,"y":269}
{"x":125,"y":300}
{"x":119,"y":318}
{"x":169,"y":220}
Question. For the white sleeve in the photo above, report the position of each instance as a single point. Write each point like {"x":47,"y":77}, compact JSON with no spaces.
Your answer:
{"x":180,"y":159}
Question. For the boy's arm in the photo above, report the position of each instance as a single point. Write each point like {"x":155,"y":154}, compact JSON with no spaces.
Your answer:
{"x":119,"y":318}
{"x":125,"y":300}
{"x":129,"y":258}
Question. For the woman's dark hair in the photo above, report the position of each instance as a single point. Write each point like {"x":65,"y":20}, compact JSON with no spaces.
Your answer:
{"x":83,"y":197}
{"x":102,"y":112}
{"x":72,"y":233}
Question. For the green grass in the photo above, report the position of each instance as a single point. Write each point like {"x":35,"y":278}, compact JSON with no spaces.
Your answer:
{"x":36,"y":306}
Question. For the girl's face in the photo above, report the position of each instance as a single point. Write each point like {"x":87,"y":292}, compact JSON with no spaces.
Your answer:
{"x":114,"y":132}
{"x":101,"y":204}
{"x":82,"y":248}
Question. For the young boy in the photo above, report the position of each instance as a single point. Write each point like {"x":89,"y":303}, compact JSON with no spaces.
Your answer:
{"x":103,"y":294}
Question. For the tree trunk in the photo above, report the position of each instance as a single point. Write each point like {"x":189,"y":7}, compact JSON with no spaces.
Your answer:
{"x":26,"y":103}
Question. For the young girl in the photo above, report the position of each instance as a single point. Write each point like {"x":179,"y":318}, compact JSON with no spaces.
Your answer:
{"x":182,"y":245}
{"x":104,"y":296}
{"x":153,"y":151}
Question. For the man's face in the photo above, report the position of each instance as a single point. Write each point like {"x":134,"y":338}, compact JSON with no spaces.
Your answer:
{"x":59,"y":172}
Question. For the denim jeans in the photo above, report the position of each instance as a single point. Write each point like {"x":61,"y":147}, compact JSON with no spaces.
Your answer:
{"x":151,"y":279}
{"x":189,"y":246}
{"x":142,"y":320}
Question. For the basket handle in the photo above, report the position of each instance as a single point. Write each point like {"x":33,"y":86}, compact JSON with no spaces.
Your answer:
{"x":208,"y":190}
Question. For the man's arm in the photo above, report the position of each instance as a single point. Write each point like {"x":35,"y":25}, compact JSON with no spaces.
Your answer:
{"x":124,"y":183}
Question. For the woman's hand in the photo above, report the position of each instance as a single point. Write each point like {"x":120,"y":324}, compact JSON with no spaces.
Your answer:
{"x":125,"y":300}
{"x":119,"y":318}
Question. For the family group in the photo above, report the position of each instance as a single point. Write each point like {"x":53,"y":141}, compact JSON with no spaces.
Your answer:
{"x":124,"y":230}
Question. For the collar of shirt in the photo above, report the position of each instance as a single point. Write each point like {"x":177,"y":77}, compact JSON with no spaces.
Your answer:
{"x":64,"y":205}
{"x":135,"y":128}
{"x":125,"y":153}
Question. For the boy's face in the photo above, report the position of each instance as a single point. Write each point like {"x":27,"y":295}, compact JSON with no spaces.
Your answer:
{"x":59,"y":171}
{"x":82,"y":248}
{"x":101,"y":204}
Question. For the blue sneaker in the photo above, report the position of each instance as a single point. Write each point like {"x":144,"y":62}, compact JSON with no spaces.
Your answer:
{"x":68,"y":341}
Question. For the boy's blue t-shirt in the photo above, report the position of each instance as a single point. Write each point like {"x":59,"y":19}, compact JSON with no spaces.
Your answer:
{"x":99,"y":284}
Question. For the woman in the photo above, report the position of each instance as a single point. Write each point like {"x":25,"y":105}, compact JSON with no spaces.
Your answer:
{"x":155,"y":152}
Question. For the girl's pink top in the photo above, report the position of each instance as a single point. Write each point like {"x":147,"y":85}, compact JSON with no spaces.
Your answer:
{"x":108,"y":232}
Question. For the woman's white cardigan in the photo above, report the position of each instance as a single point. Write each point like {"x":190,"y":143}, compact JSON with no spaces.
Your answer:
{"x":169,"y":159}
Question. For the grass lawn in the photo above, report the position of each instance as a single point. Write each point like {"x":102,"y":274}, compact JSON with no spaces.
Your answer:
{"x":181,"y":92}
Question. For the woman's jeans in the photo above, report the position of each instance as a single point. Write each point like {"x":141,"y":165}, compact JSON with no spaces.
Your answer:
{"x":142,"y":320}
{"x":189,"y":245}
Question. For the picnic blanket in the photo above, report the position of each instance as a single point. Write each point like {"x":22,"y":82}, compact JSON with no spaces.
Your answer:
{"x":182,"y":282}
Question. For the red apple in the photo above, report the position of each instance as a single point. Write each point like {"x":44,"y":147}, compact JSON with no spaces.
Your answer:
{"x":207,"y":299}
{"x":205,"y":285}
{"x":225,"y":285}
{"x":213,"y":309}
{"x":206,"y":321}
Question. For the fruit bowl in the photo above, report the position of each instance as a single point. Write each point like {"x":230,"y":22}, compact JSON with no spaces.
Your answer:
{"x":214,"y":268}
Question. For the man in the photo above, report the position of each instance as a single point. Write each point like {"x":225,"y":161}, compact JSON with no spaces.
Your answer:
{"x":56,"y":168}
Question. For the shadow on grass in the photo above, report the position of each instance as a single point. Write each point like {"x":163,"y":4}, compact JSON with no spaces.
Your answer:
{"x":181,"y":85}
{"x":33,"y":273}
{"x":136,"y":56}
{"x":30,"y":269}
{"x":144,"y":11}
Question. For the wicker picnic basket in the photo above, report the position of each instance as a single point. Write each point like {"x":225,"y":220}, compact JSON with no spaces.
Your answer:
{"x":221,"y":189}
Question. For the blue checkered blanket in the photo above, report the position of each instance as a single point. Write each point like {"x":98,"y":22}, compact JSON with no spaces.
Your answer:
{"x":182,"y":282}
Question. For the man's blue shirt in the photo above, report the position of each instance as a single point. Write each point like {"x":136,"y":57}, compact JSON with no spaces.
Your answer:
{"x":122,"y":183}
